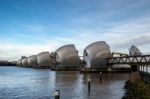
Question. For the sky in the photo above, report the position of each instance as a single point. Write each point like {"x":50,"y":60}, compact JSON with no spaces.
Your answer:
{"x":28,"y":27}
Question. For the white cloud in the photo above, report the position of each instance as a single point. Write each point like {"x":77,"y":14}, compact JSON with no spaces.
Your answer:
{"x":15,"y":51}
{"x":119,"y":37}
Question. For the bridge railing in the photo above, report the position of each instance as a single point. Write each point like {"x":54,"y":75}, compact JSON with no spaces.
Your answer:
{"x":138,"y":60}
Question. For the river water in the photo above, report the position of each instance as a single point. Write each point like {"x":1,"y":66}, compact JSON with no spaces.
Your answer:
{"x":28,"y":83}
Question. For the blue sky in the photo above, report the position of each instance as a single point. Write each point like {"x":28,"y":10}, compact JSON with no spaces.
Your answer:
{"x":30,"y":26}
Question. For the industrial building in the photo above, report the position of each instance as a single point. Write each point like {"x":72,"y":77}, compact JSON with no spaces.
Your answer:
{"x":95,"y":55}
{"x":67,"y":56}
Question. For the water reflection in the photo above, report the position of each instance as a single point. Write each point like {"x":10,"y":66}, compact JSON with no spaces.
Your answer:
{"x":23,"y":83}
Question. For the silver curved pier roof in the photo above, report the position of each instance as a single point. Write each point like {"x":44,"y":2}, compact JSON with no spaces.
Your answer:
{"x":32,"y":61}
{"x":43,"y":60}
{"x":95,"y":55}
{"x":67,"y":56}
{"x":19,"y":62}
{"x":24,"y":62}
{"x":133,"y":51}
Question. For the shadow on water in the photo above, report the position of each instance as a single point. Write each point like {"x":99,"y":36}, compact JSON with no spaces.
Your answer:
{"x":23,"y":83}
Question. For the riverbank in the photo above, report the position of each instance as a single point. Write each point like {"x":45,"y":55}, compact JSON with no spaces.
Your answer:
{"x":136,"y":90}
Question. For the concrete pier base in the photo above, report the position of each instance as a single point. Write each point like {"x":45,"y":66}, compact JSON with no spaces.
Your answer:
{"x":41,"y":67}
{"x":65,"y":68}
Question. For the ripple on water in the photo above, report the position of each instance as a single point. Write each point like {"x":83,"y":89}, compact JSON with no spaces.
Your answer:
{"x":28,"y":83}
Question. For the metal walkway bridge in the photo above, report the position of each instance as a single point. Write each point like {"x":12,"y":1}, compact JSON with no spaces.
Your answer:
{"x":139,"y":63}
{"x":131,"y":60}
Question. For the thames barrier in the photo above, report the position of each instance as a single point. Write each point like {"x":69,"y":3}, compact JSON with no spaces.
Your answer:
{"x":67,"y":74}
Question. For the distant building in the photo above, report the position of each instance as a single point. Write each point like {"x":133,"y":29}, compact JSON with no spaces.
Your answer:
{"x":134,"y":51}
{"x":95,"y":55}
{"x":43,"y":60}
{"x":3,"y":62}
{"x":118,"y":54}
{"x":67,"y":56}
{"x":6,"y":63}
{"x":32,"y":61}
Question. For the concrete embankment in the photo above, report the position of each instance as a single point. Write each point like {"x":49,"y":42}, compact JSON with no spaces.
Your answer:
{"x":7,"y":64}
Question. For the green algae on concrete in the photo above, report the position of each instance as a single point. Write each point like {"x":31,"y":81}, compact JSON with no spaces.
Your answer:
{"x":137,"y":89}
